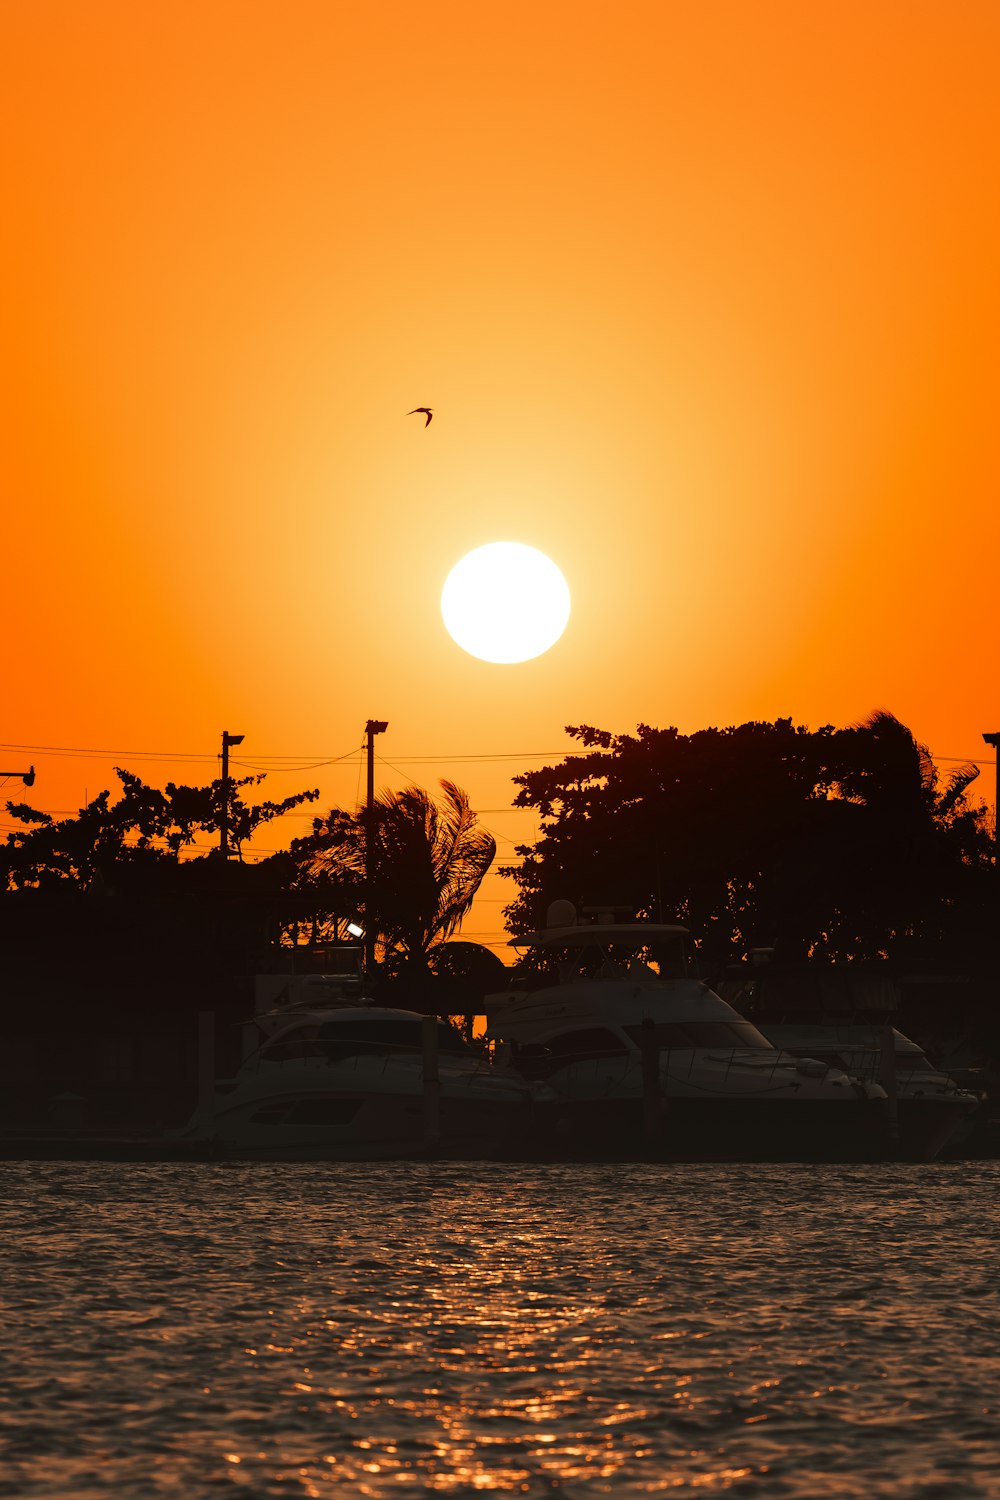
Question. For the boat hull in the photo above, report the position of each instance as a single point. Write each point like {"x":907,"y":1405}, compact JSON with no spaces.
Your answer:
{"x":926,"y":1110}
{"x":926,"y":1125}
{"x":345,"y":1125}
{"x":716,"y":1129}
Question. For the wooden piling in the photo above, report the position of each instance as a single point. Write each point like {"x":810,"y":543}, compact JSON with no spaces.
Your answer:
{"x":206,"y":1073}
{"x":432,"y":1085}
{"x":651,"y":1101}
{"x":887,"y":1078}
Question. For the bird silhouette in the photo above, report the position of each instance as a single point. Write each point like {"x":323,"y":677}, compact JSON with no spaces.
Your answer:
{"x":425,"y":409}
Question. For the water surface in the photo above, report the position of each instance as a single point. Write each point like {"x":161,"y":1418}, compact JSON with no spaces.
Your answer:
{"x":257,"y":1330}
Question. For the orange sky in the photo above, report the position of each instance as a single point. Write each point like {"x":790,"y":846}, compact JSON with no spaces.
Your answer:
{"x":704,"y":296}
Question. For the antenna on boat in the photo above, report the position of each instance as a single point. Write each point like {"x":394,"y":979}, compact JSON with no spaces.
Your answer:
{"x":560,"y":914}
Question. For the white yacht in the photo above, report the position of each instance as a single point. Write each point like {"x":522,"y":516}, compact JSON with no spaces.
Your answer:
{"x":843,"y":1016}
{"x":645,"y":1060}
{"x":928,"y":1109}
{"x":343,"y":1079}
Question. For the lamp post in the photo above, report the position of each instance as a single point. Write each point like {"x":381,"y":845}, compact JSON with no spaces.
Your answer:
{"x":227,"y":740}
{"x":28,"y":776}
{"x":372,"y":728}
{"x":993,"y":740}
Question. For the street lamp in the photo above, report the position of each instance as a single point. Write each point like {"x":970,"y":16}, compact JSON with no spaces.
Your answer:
{"x":28,"y":776}
{"x":994,"y":740}
{"x":372,"y":728}
{"x":227,"y":740}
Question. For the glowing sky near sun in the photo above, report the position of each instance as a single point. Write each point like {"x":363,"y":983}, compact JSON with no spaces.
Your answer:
{"x":704,"y":298}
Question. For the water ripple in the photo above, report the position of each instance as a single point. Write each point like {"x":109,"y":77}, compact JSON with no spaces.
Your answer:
{"x":409,"y":1328}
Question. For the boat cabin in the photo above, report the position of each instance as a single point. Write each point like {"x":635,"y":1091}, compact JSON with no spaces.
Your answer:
{"x":357,"y":1032}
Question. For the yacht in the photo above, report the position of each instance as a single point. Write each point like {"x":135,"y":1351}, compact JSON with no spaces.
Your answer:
{"x":644,"y":1060}
{"x":843,"y":1017}
{"x":338,"y":1078}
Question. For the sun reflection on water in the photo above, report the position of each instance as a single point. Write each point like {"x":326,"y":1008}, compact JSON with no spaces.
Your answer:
{"x":486,"y":1365}
{"x":458,"y":1330}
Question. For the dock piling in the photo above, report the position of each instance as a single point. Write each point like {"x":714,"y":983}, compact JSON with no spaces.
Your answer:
{"x":206,"y":1073}
{"x":887,"y":1078}
{"x":651,"y":1102}
{"x":432,"y":1085}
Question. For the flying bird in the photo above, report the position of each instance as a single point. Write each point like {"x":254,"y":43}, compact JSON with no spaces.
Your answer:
{"x":425,"y":409}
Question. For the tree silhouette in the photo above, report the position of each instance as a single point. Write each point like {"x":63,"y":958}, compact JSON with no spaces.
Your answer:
{"x":142,"y":827}
{"x":827,"y":842}
{"x":428,"y":861}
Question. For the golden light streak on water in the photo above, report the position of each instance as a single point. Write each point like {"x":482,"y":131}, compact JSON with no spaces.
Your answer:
{"x":400,"y":1330}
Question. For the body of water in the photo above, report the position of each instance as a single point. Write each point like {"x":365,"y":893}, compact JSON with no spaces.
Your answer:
{"x":407,"y":1328}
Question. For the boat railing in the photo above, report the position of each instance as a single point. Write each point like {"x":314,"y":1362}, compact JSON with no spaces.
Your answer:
{"x":869,"y":1067}
{"x":355,"y":1055}
{"x":676,"y":1063}
{"x":766,"y":1060}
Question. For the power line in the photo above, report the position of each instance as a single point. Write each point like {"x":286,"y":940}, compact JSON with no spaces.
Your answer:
{"x":298,"y":770}
{"x":504,"y":755}
{"x":292,"y":761}
{"x":298,"y":765}
{"x":175,"y":756}
{"x":71,"y":752}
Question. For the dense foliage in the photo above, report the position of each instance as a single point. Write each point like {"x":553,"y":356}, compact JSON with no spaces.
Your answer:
{"x":143,"y":828}
{"x":428,"y":859}
{"x":840,"y":843}
{"x":113,"y":881}
{"x":836,"y":843}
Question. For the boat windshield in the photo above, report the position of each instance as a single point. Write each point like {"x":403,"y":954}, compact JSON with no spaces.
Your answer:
{"x":599,"y":1043}
{"x":587,"y":1044}
{"x":363,"y":1036}
{"x":393,"y":1035}
{"x":685,"y":1036}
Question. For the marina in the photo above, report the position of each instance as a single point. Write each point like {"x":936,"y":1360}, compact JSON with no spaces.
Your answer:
{"x":644,"y":1059}
{"x":606,"y":1046}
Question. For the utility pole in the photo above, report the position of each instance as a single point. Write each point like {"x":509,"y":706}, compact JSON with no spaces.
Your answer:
{"x":994,"y":740}
{"x":372,"y":728}
{"x":227,"y":740}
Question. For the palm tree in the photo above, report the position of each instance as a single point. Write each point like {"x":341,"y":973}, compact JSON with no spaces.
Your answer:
{"x":897,"y":773}
{"x":428,"y":861}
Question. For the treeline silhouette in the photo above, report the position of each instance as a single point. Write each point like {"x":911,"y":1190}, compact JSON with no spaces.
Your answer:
{"x":118,"y":929}
{"x":832,"y":844}
{"x":829,"y":844}
{"x":125,"y":895}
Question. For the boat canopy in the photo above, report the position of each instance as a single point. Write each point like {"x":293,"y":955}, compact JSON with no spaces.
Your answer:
{"x":642,"y":950}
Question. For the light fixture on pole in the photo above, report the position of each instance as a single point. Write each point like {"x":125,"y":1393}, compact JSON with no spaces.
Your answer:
{"x":994,"y":740}
{"x":372,"y":728}
{"x":227,"y":740}
{"x":28,"y":776}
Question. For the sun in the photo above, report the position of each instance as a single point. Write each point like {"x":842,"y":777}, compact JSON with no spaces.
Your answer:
{"x":505,"y":602}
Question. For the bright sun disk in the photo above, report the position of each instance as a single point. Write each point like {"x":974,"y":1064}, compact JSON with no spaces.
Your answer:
{"x":505,"y":602}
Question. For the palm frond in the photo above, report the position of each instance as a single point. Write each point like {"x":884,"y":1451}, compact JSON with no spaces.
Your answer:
{"x":900,"y":746}
{"x":958,"y":783}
